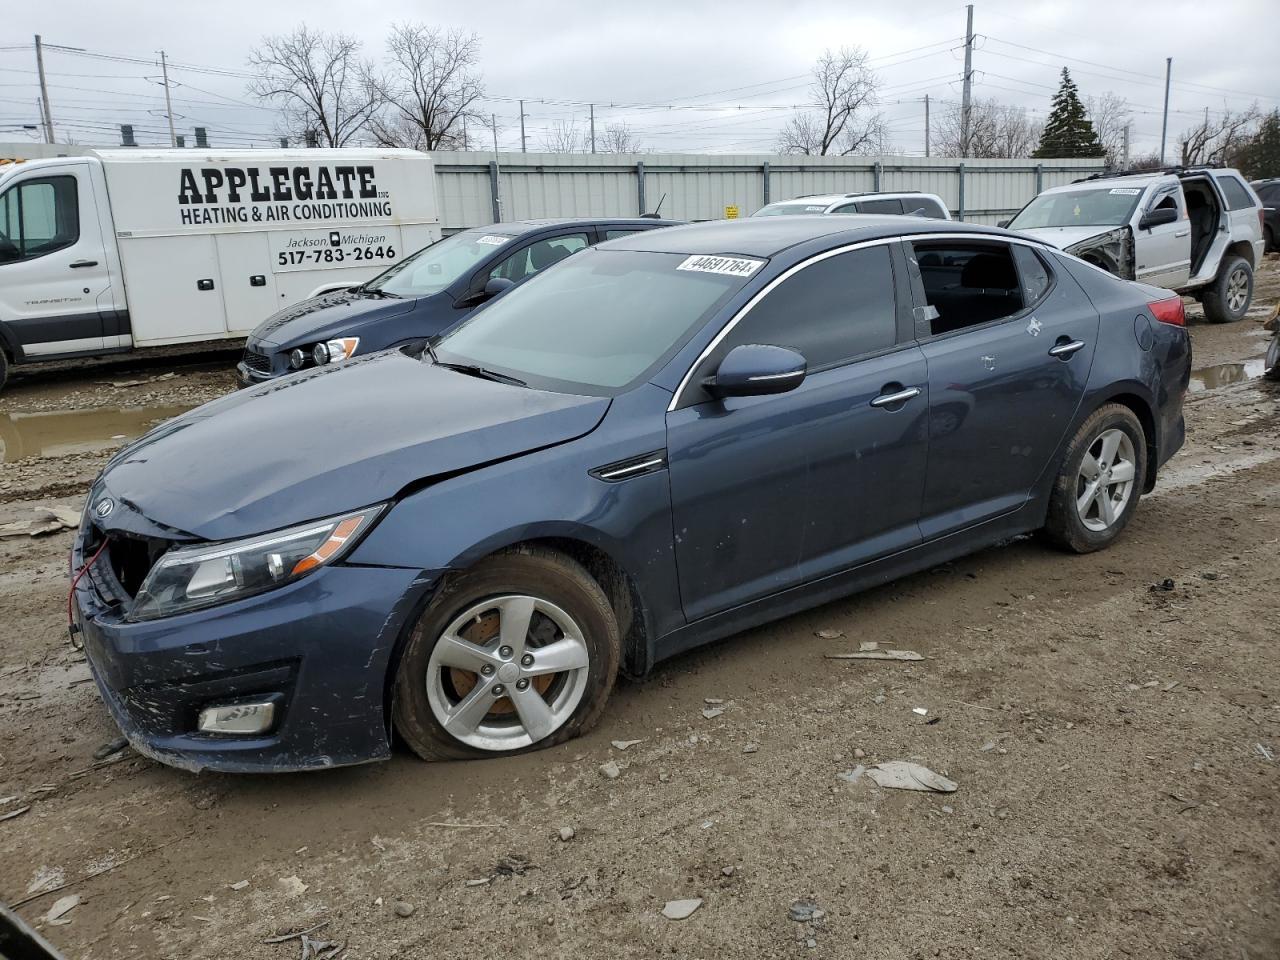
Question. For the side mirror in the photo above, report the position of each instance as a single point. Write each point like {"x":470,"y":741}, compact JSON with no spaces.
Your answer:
{"x":497,"y":285}
{"x":1155,"y":218}
{"x":1002,"y":223}
{"x":755,"y":369}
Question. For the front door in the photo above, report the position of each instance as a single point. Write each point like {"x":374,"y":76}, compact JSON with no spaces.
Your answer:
{"x":53,"y":265}
{"x":773,"y":491}
{"x":1009,"y":342}
{"x":1163,"y":252}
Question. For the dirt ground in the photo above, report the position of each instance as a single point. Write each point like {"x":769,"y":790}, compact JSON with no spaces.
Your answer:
{"x":1113,"y":723}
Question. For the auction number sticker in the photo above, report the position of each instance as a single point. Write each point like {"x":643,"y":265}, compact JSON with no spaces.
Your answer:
{"x":339,"y":247}
{"x":492,"y":240}
{"x":729,"y":266}
{"x":1127,"y":191}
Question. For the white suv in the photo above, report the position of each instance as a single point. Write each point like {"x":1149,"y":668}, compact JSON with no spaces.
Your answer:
{"x":1197,"y":231}
{"x":908,"y":203}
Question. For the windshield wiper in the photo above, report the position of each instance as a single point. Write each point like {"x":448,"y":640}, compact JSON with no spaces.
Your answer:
{"x":371,"y":292}
{"x":475,"y":370}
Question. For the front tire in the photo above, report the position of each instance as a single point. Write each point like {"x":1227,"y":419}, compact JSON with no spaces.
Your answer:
{"x":4,"y":369}
{"x":1227,"y":299}
{"x":1100,"y":481}
{"x":519,"y":653}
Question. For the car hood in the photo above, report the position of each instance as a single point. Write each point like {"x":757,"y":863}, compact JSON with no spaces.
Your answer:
{"x":341,"y":313}
{"x":1063,"y":237}
{"x":327,"y":441}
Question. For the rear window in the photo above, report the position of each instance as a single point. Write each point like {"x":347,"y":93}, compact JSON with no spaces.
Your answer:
{"x":880,"y":206}
{"x":1238,"y":197}
{"x":923,"y":207}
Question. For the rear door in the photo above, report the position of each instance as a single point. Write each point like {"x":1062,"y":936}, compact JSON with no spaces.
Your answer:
{"x":1009,"y":340}
{"x":1242,"y":208}
{"x":1164,"y":251}
{"x":53,"y":263}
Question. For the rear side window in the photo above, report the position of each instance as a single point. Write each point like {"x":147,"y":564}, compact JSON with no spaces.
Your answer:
{"x":1237,"y":195}
{"x":615,"y":234}
{"x":923,"y":207}
{"x":880,"y":206}
{"x":38,"y":217}
{"x":837,"y":309}
{"x":1033,"y":273}
{"x":968,"y":284}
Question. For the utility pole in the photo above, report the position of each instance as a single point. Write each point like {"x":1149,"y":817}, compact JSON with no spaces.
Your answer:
{"x":168,"y":106}
{"x":968,"y":82}
{"x":497,"y":169}
{"x":593,"y":128}
{"x":926,"y":124}
{"x":1124,"y":156}
{"x":524,"y":144}
{"x":44,"y":93}
{"x":1164,"y":124}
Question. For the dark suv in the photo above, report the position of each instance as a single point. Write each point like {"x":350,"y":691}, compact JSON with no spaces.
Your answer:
{"x":420,"y":296}
{"x":1268,"y":192}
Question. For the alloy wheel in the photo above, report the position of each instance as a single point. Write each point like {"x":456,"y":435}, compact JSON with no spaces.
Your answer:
{"x":1237,"y":290}
{"x":507,"y":672}
{"x":1104,"y":485}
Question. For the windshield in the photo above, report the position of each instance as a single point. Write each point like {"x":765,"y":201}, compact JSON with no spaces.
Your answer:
{"x":1103,"y":207}
{"x":789,"y":209}
{"x":433,"y":268}
{"x":595,"y":324}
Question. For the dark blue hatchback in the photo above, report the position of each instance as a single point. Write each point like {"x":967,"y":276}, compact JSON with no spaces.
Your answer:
{"x":656,"y":443}
{"x":420,"y":296}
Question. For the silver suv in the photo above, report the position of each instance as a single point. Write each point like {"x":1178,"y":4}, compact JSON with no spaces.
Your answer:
{"x":907,"y":203}
{"x":1197,"y":231}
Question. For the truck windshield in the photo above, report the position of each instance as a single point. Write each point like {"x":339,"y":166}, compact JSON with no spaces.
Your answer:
{"x":594,"y":324}
{"x":433,"y":268}
{"x":789,"y":209}
{"x":1102,"y":207}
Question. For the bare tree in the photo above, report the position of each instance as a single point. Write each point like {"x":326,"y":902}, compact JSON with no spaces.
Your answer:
{"x":996,"y":130}
{"x":319,"y":83}
{"x":563,"y":136}
{"x":1109,"y":114}
{"x":1218,"y":140}
{"x":431,"y":87}
{"x":843,"y":118}
{"x":618,"y":138}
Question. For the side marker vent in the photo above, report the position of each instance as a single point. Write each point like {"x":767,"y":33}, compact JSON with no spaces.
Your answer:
{"x":638,"y":466}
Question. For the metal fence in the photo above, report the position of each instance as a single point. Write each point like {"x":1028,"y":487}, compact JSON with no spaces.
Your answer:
{"x":478,"y":188}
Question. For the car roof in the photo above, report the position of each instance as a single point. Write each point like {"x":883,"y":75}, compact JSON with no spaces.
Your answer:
{"x":767,"y":236}
{"x":1095,"y":183}
{"x":830,"y":198}
{"x":519,"y":228}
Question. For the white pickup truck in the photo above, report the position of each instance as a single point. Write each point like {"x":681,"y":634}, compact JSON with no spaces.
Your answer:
{"x":120,"y":249}
{"x":1197,"y":231}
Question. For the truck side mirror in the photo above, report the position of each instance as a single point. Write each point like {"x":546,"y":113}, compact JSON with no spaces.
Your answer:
{"x":1155,"y":218}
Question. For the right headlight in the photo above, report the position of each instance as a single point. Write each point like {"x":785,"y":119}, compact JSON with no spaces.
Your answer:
{"x":190,"y":578}
{"x":331,"y":351}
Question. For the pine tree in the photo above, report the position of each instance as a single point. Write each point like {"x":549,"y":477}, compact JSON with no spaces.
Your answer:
{"x":1068,"y":132}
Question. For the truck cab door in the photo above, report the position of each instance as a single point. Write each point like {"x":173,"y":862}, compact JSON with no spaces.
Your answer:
{"x":1162,"y":253}
{"x":53,"y":263}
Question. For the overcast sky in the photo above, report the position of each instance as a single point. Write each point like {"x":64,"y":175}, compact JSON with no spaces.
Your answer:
{"x":743,"y":64}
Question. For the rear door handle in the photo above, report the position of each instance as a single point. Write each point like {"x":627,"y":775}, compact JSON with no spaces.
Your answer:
{"x":901,"y":396}
{"x":77,"y":264}
{"x":1181,"y":233}
{"x":1063,"y":351}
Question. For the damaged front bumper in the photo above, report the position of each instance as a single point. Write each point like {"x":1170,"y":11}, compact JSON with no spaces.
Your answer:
{"x":1112,"y":251}
{"x":321,"y":649}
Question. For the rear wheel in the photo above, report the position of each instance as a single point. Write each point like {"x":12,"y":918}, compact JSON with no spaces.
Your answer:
{"x":1227,"y":299}
{"x":1100,"y":481}
{"x":1272,"y":369}
{"x":518,"y":653}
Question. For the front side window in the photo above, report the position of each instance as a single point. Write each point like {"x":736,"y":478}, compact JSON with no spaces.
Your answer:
{"x":38,"y":217}
{"x":1237,"y":196}
{"x":1166,"y":198}
{"x":1096,"y":207}
{"x":538,"y":256}
{"x":599,"y":323}
{"x":830,"y":312}
{"x":968,"y":284}
{"x":436,"y":267}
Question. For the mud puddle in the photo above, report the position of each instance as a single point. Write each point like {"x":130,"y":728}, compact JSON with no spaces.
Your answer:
{"x":1225,"y":374}
{"x":65,"y":432}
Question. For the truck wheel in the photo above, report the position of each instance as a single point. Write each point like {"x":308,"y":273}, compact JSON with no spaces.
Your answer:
{"x":1227,"y":299}
{"x":1272,"y":371}
{"x":518,"y":653}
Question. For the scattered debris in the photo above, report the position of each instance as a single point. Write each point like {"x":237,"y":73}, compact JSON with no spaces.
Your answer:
{"x":829,"y":634}
{"x":14,"y":813}
{"x":61,"y":907}
{"x":804,"y":911}
{"x":876,"y":654}
{"x":1266,"y":752}
{"x":482,"y":881}
{"x":726,"y":871}
{"x":121,"y":384}
{"x":512,"y":865}
{"x":41,"y":521}
{"x":239,"y":885}
{"x":902,"y":775}
{"x":567,"y":834}
{"x":403,"y":909}
{"x":107,"y":749}
{"x":712,"y":712}
{"x":610,"y":770}
{"x":988,"y":746}
{"x":922,"y":711}
{"x":292,"y":886}
{"x":298,"y":934}
{"x":713,"y":701}
{"x":859,"y":753}
{"x":932,"y":720}
{"x":1164,"y":585}
{"x":681,"y":909}
{"x":750,"y":747}
{"x":624,"y":744}
{"x":1169,"y":686}
{"x":854,"y":775}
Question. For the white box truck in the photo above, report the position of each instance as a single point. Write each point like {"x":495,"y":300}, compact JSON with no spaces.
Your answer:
{"x":120,"y":249}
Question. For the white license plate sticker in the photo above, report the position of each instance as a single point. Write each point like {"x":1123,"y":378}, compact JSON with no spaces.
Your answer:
{"x":729,"y":266}
{"x":493,"y":241}
{"x":1127,"y":191}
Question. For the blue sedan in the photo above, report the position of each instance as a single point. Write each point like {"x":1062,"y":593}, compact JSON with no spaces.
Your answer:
{"x":659,"y":442}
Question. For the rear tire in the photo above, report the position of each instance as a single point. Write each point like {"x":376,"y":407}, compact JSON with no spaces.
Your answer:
{"x":1227,"y":299}
{"x":468,"y":687}
{"x":1100,"y":481}
{"x":1272,"y":369}
{"x":4,"y":369}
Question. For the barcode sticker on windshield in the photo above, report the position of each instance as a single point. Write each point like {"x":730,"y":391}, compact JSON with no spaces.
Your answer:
{"x":1127,"y":191}
{"x":730,"y":266}
{"x":493,"y":241}
{"x":814,"y":209}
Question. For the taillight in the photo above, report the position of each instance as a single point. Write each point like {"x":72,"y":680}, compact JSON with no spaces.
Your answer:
{"x":1262,"y":221}
{"x":1169,"y":311}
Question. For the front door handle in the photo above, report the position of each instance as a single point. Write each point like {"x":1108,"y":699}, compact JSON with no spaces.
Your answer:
{"x":77,"y":264}
{"x":901,"y":396}
{"x":1182,"y":233}
{"x":1063,"y":351}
